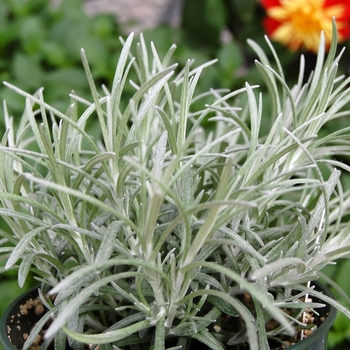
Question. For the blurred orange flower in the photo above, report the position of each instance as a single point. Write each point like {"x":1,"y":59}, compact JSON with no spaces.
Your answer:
{"x":298,"y":23}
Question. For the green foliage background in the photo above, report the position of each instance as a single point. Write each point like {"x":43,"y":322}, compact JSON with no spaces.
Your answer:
{"x":40,"y":46}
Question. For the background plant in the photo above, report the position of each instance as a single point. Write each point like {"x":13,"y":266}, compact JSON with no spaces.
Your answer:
{"x":40,"y":47}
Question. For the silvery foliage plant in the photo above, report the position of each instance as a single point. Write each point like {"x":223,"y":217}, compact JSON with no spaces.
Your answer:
{"x":148,"y":218}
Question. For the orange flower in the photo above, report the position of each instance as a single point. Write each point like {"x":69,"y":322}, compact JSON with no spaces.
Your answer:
{"x":298,"y":23}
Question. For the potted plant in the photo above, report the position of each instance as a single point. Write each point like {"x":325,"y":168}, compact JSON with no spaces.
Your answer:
{"x":148,"y":230}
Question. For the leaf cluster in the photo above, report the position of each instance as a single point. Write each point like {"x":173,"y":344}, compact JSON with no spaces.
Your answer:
{"x":154,"y":232}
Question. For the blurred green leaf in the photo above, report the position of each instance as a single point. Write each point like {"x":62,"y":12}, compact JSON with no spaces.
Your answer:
{"x":103,"y":26}
{"x":52,"y":52}
{"x":27,"y":71}
{"x":230,"y":56}
{"x":202,"y":22}
{"x":32,"y":34}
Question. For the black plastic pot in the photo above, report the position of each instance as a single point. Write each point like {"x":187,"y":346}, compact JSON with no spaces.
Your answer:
{"x":12,"y":329}
{"x":13,"y":325}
